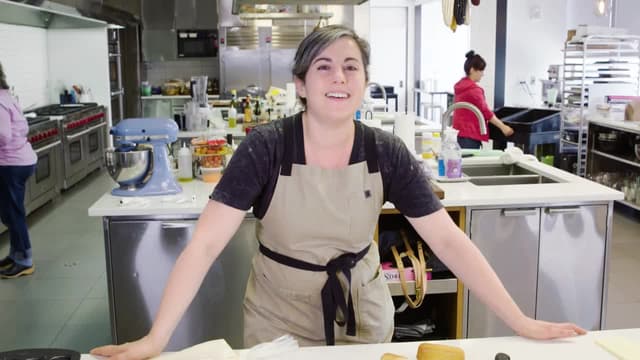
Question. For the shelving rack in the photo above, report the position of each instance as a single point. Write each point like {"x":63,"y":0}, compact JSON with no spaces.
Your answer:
{"x":595,"y":59}
{"x":115,"y":74}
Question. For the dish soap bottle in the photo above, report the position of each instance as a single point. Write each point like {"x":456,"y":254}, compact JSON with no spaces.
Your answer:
{"x":185,"y":169}
{"x":452,"y":154}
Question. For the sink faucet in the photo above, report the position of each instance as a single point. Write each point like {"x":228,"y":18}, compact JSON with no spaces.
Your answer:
{"x":384,"y":92}
{"x":446,"y":117}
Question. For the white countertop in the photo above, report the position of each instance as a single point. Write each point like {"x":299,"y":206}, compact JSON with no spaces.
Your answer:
{"x":631,"y":126}
{"x":574,"y":189}
{"x":580,"y":347}
{"x":169,"y":97}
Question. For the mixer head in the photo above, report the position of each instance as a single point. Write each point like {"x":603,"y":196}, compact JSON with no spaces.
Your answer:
{"x":145,"y":130}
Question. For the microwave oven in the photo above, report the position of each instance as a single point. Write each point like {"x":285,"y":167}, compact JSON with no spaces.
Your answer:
{"x":197,"y":43}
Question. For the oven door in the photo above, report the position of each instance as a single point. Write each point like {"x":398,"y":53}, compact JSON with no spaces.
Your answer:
{"x":45,"y":178}
{"x":94,"y":143}
{"x":75,"y":157}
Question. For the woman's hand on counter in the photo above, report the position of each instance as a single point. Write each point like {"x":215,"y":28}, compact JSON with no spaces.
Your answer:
{"x":544,"y":330}
{"x":143,"y":348}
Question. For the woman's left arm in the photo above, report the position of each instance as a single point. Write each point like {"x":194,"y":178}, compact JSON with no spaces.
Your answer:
{"x":5,"y":126}
{"x":464,"y":259}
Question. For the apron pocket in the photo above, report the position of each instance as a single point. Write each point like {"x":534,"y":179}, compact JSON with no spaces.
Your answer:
{"x":374,"y":310}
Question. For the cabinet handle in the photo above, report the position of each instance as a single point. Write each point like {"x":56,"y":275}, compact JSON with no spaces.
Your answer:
{"x":519,"y":212}
{"x":563,"y":210}
{"x":175,"y":225}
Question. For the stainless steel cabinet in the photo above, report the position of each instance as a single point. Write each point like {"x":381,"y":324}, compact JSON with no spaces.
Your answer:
{"x":140,"y":256}
{"x":508,"y":238}
{"x":552,"y":260}
{"x":571,"y":275}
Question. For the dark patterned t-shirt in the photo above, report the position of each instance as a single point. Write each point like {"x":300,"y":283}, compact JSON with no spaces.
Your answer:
{"x":251,"y":176}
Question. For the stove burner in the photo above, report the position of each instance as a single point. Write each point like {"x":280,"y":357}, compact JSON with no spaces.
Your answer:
{"x":40,"y":354}
{"x":65,"y":109}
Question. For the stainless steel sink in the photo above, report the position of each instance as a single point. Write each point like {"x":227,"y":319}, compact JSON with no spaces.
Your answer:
{"x":495,"y":170}
{"x":511,"y":180}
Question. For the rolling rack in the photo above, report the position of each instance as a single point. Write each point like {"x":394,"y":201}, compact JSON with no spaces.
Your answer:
{"x":594,"y":59}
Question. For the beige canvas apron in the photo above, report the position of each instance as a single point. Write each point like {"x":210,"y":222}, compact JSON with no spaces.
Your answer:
{"x":315,"y":216}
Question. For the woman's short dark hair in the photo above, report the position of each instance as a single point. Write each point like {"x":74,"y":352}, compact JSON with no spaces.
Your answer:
{"x":474,"y":61}
{"x":318,"y":40}
{"x":3,"y":79}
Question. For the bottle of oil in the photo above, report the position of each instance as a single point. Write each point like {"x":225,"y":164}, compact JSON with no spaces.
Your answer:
{"x":248,"y":113}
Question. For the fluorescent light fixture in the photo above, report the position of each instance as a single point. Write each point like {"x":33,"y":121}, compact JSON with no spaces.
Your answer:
{"x":601,"y":7}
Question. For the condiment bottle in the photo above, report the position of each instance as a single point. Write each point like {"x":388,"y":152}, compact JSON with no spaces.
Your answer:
{"x":185,"y":169}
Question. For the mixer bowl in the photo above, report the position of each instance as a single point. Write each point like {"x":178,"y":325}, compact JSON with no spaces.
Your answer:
{"x":129,"y":168}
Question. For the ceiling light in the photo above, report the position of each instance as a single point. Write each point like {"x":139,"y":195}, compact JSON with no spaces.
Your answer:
{"x":601,"y":7}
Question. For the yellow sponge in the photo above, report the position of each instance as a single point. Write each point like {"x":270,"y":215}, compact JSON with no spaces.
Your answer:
{"x":428,"y":351}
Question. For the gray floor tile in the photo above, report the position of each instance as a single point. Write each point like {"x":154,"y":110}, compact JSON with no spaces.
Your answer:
{"x":29,"y":335}
{"x":38,"y":289}
{"x":73,"y":267}
{"x":38,"y":311}
{"x":83,"y":338}
{"x":91,"y":312}
{"x":99,"y":289}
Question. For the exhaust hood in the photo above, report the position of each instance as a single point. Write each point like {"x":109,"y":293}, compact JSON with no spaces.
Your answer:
{"x":47,"y":15}
{"x":238,"y":3}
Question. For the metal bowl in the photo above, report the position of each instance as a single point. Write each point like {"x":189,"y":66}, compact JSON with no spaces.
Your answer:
{"x":128,"y":168}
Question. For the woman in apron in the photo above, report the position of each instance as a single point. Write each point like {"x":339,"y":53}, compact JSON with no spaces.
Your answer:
{"x":316,"y":182}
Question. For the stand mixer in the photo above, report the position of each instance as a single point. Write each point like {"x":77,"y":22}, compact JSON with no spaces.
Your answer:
{"x":140,"y":161}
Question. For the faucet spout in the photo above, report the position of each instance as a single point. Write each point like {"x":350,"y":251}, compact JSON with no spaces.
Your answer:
{"x":446,"y":117}
{"x":384,"y":92}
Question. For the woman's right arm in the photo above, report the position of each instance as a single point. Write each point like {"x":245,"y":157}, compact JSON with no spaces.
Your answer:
{"x":215,"y":227}
{"x":506,"y":129}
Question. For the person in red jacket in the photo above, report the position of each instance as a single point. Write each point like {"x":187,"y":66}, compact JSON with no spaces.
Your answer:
{"x":467,"y":90}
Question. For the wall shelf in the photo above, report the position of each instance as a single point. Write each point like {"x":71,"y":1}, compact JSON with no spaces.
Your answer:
{"x":595,"y":59}
{"x":616,"y":158}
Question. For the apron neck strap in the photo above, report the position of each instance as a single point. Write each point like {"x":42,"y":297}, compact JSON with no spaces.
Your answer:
{"x":294,"y":145}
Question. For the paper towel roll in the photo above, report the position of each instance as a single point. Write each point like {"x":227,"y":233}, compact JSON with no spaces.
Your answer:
{"x":291,"y":95}
{"x":404,"y":127}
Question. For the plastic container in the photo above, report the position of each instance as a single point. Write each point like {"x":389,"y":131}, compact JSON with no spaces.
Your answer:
{"x":452,"y":154}
{"x":437,"y":143}
{"x":427,"y":144}
{"x":506,"y":113}
{"x":185,"y":164}
{"x":535,"y":120}
{"x":211,"y":175}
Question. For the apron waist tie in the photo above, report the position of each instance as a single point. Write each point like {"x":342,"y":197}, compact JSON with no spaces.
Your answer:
{"x":332,"y":292}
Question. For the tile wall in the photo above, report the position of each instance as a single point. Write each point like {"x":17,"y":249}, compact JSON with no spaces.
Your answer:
{"x":23,"y":54}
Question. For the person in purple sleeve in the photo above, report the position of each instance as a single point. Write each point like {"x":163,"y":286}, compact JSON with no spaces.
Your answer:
{"x":17,"y":164}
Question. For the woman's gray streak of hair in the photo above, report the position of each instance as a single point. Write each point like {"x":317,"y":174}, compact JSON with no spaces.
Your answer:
{"x":320,"y":39}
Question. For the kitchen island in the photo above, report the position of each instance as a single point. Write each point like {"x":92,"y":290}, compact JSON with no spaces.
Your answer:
{"x":580,"y":347}
{"x":548,"y":242}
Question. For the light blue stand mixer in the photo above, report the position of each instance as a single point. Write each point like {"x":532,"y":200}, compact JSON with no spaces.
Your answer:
{"x":140,"y":161}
